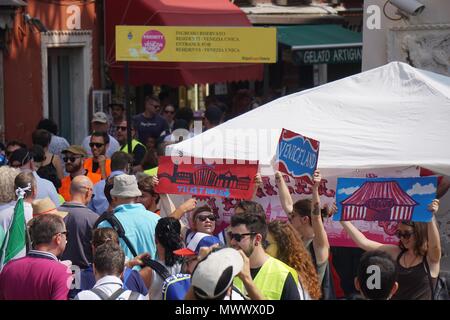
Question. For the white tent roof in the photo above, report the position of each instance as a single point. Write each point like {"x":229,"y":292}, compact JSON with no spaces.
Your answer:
{"x":395,"y":115}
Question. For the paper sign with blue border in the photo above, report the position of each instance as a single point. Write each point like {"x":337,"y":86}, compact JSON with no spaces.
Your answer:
{"x":297,"y":155}
{"x":385,"y":199}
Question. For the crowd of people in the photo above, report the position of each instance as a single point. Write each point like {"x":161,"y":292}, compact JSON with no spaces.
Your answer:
{"x":98,"y":230}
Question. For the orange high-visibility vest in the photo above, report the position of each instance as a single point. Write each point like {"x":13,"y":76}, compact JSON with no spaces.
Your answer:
{"x":90,"y":161}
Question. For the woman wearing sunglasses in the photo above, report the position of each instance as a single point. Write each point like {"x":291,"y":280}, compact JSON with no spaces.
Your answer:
{"x":418,"y":247}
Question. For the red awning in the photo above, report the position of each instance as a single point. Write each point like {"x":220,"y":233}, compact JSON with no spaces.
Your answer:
{"x":175,"y":13}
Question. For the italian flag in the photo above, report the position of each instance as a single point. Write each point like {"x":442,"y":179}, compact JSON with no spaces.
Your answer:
{"x":13,"y":245}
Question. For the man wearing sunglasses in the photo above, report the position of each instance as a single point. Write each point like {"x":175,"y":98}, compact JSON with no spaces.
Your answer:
{"x":99,"y":123}
{"x":74,"y":158}
{"x":99,"y":163}
{"x":274,"y":279}
{"x":150,"y":123}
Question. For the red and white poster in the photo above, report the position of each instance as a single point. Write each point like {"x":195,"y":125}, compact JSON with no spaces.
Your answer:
{"x":207,"y":177}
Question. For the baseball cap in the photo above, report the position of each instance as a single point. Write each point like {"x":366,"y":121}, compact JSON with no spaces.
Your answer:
{"x":214,"y":275}
{"x":100,"y":117}
{"x":75,"y":149}
{"x":199,"y":240}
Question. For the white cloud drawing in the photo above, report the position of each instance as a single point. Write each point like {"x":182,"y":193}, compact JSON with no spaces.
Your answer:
{"x":421,"y":190}
{"x":348,"y":191}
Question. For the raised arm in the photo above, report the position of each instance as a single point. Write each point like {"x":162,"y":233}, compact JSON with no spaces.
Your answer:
{"x":258,"y":183}
{"x":320,"y":240}
{"x":434,"y":240}
{"x":368,"y":245}
{"x":285,"y":197}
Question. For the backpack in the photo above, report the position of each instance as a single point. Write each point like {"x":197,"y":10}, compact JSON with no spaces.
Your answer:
{"x":440,"y":291}
{"x":117,"y":226}
{"x":115,"y":295}
{"x":175,"y":286}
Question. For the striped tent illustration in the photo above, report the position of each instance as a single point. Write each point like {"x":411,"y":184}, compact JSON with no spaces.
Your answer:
{"x":378,"y":201}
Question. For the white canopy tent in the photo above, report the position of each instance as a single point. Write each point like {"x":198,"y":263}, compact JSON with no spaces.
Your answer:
{"x":392,"y":116}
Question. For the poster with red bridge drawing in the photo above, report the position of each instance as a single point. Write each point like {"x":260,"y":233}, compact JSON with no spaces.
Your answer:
{"x":300,"y":188}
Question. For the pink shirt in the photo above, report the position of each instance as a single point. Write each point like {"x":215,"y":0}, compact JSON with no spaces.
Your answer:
{"x":37,"y":277}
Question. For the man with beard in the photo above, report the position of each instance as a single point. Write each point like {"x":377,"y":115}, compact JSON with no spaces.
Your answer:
{"x":274,"y":279}
{"x":73,"y":158}
{"x":99,"y":163}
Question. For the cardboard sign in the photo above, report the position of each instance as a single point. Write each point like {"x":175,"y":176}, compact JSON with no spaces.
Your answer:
{"x":196,"y":44}
{"x":200,"y":177}
{"x":297,"y":155}
{"x":385,"y":199}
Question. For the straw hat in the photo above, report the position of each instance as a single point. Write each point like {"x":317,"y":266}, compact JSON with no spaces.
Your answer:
{"x":125,"y":186}
{"x":45,"y":206}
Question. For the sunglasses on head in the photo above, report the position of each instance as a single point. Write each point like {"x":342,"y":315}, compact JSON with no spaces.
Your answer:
{"x":97,"y":145}
{"x":405,"y":235}
{"x":211,"y":217}
{"x":71,"y":159}
{"x":123,"y":128}
{"x":238,"y":236}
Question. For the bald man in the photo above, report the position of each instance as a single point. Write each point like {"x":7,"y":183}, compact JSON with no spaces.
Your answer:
{"x":79,"y":223}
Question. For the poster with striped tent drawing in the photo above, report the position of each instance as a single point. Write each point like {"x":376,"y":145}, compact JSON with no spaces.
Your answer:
{"x":385,"y":199}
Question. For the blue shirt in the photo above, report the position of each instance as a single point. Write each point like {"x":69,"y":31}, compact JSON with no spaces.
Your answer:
{"x":99,"y":204}
{"x":46,"y":189}
{"x":149,"y":127}
{"x":139,"y":225}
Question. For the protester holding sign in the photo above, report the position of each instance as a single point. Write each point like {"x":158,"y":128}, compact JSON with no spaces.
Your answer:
{"x":417,"y":255}
{"x":305,"y":216}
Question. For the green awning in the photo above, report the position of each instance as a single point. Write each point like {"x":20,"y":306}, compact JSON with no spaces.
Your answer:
{"x":326,"y":43}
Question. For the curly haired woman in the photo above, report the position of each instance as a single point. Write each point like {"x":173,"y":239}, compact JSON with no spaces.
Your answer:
{"x":284,"y":243}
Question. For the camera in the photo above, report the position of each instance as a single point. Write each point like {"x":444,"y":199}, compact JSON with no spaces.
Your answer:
{"x":411,"y":7}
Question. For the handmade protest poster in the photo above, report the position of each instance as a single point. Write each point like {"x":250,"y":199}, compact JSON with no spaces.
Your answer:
{"x":385,"y":199}
{"x":297,"y":155}
{"x":233,"y":179}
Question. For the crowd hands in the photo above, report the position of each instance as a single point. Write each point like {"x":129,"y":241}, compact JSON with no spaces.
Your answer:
{"x":100,"y":214}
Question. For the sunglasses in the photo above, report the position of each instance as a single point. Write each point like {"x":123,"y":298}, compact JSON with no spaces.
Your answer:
{"x":171,"y":112}
{"x":121,"y":128}
{"x":238,"y":236}
{"x":71,"y":159}
{"x":97,"y":145}
{"x":405,"y":235}
{"x":211,"y":217}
